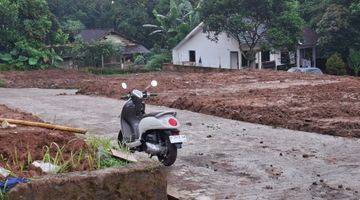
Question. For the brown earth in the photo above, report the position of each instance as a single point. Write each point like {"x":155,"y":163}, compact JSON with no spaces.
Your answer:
{"x":22,"y":145}
{"x":315,"y":103}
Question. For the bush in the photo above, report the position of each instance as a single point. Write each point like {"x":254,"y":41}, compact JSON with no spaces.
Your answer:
{"x":2,"y":83}
{"x":140,"y":60}
{"x":156,"y":61}
{"x":354,"y":61}
{"x":335,"y":65}
{"x":92,"y":54}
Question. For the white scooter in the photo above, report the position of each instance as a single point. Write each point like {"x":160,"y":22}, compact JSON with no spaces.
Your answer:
{"x":154,"y":133}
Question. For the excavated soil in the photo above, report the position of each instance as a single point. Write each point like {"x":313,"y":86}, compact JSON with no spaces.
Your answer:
{"x":315,"y":103}
{"x":21,"y":145}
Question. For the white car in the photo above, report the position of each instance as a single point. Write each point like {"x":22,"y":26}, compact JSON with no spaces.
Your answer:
{"x":307,"y":70}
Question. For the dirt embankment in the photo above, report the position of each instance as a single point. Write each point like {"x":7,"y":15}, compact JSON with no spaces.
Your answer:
{"x":22,"y":145}
{"x":323,"y":104}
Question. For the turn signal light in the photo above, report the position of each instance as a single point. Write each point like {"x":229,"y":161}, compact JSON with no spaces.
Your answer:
{"x":172,"y":122}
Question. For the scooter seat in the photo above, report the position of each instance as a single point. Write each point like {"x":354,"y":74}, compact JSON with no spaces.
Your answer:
{"x":159,"y":114}
{"x":153,"y":114}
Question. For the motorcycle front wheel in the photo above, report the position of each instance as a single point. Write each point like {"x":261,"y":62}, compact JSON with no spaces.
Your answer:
{"x":120,"y":138}
{"x":170,"y":157}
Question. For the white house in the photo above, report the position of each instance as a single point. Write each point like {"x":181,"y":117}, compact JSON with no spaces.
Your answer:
{"x":196,"y":49}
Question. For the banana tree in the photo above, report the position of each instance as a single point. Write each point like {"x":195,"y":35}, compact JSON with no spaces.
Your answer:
{"x":173,"y":27}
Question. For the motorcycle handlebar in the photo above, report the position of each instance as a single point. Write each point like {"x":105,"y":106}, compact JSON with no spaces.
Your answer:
{"x":125,"y":97}
{"x":146,"y":95}
{"x":153,"y":95}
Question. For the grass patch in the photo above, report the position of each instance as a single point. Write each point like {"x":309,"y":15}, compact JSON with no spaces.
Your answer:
{"x":2,"y":83}
{"x":3,"y":195}
{"x":97,"y":155}
{"x":5,"y":67}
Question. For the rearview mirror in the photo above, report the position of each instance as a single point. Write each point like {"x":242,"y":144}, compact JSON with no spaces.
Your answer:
{"x":154,"y":83}
{"x":124,"y":86}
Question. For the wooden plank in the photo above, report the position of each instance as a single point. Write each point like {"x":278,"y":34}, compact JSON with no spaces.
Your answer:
{"x":123,"y":155}
{"x":44,"y":125}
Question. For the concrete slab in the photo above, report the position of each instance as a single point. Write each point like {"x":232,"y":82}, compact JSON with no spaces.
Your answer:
{"x":224,"y":159}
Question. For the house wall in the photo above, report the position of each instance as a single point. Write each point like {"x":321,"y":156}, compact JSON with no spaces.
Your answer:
{"x":215,"y":54}
{"x":212,"y":54}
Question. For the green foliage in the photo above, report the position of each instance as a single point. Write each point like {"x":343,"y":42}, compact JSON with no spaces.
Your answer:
{"x":93,"y":54}
{"x":140,"y":60}
{"x":2,"y":83}
{"x":26,"y":27}
{"x":354,"y":61}
{"x":102,"y":147}
{"x":333,"y":29}
{"x":335,"y":65}
{"x":3,"y":195}
{"x":156,"y":61}
{"x":171,"y":28}
{"x":254,"y":23}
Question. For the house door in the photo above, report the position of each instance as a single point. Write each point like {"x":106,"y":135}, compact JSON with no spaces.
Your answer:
{"x":234,"y":60}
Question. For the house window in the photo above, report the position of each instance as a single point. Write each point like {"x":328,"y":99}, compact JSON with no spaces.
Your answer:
{"x":192,"y":56}
{"x":265,"y":56}
{"x":285,"y":57}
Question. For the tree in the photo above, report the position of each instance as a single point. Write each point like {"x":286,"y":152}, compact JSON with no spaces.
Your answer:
{"x":93,"y":54}
{"x":333,"y":30}
{"x":26,"y":28}
{"x":354,"y":61}
{"x":176,"y":24}
{"x":254,"y":23}
{"x":335,"y":65}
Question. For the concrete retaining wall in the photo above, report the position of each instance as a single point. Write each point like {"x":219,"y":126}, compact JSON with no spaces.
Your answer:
{"x":145,"y":180}
{"x":185,"y":68}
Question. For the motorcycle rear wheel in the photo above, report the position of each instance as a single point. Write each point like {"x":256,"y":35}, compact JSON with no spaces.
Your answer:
{"x":171,"y":154}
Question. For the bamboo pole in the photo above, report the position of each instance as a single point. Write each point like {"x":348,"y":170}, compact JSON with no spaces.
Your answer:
{"x":44,"y":125}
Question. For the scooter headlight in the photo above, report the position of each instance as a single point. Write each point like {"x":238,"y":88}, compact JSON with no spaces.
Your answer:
{"x":137,"y":93}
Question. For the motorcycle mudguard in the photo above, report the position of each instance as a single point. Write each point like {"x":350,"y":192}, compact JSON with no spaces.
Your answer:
{"x":158,"y":123}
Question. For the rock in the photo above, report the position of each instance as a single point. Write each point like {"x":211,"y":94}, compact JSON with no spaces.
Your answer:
{"x":4,"y":172}
{"x":307,"y":156}
{"x":268,"y":187}
{"x":209,"y":136}
{"x":280,"y":154}
{"x":47,"y":167}
{"x":188,"y":124}
{"x":5,"y":124}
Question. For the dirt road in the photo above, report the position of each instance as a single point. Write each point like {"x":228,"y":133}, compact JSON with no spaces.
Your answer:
{"x":313,"y":103}
{"x":224,"y":159}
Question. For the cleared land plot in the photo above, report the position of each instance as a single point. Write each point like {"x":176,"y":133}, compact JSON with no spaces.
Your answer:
{"x":314,"y":103}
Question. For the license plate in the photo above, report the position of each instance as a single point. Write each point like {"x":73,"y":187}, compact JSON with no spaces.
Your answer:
{"x":177,"y":139}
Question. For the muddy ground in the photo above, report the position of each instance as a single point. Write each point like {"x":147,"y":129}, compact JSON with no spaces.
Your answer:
{"x":22,"y":145}
{"x":313,"y":103}
{"x":223,"y":159}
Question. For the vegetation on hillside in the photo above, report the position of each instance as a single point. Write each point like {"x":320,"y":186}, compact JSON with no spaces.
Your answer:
{"x":29,"y":29}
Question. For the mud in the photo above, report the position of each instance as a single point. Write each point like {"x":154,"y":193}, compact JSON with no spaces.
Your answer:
{"x":223,"y":159}
{"x":314,"y":103}
{"x":22,"y":145}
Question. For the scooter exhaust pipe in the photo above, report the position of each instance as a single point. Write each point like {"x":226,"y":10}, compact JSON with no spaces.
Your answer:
{"x":153,"y":148}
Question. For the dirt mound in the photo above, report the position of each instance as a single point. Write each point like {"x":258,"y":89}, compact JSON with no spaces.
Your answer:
{"x":22,"y":145}
{"x":315,"y":103}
